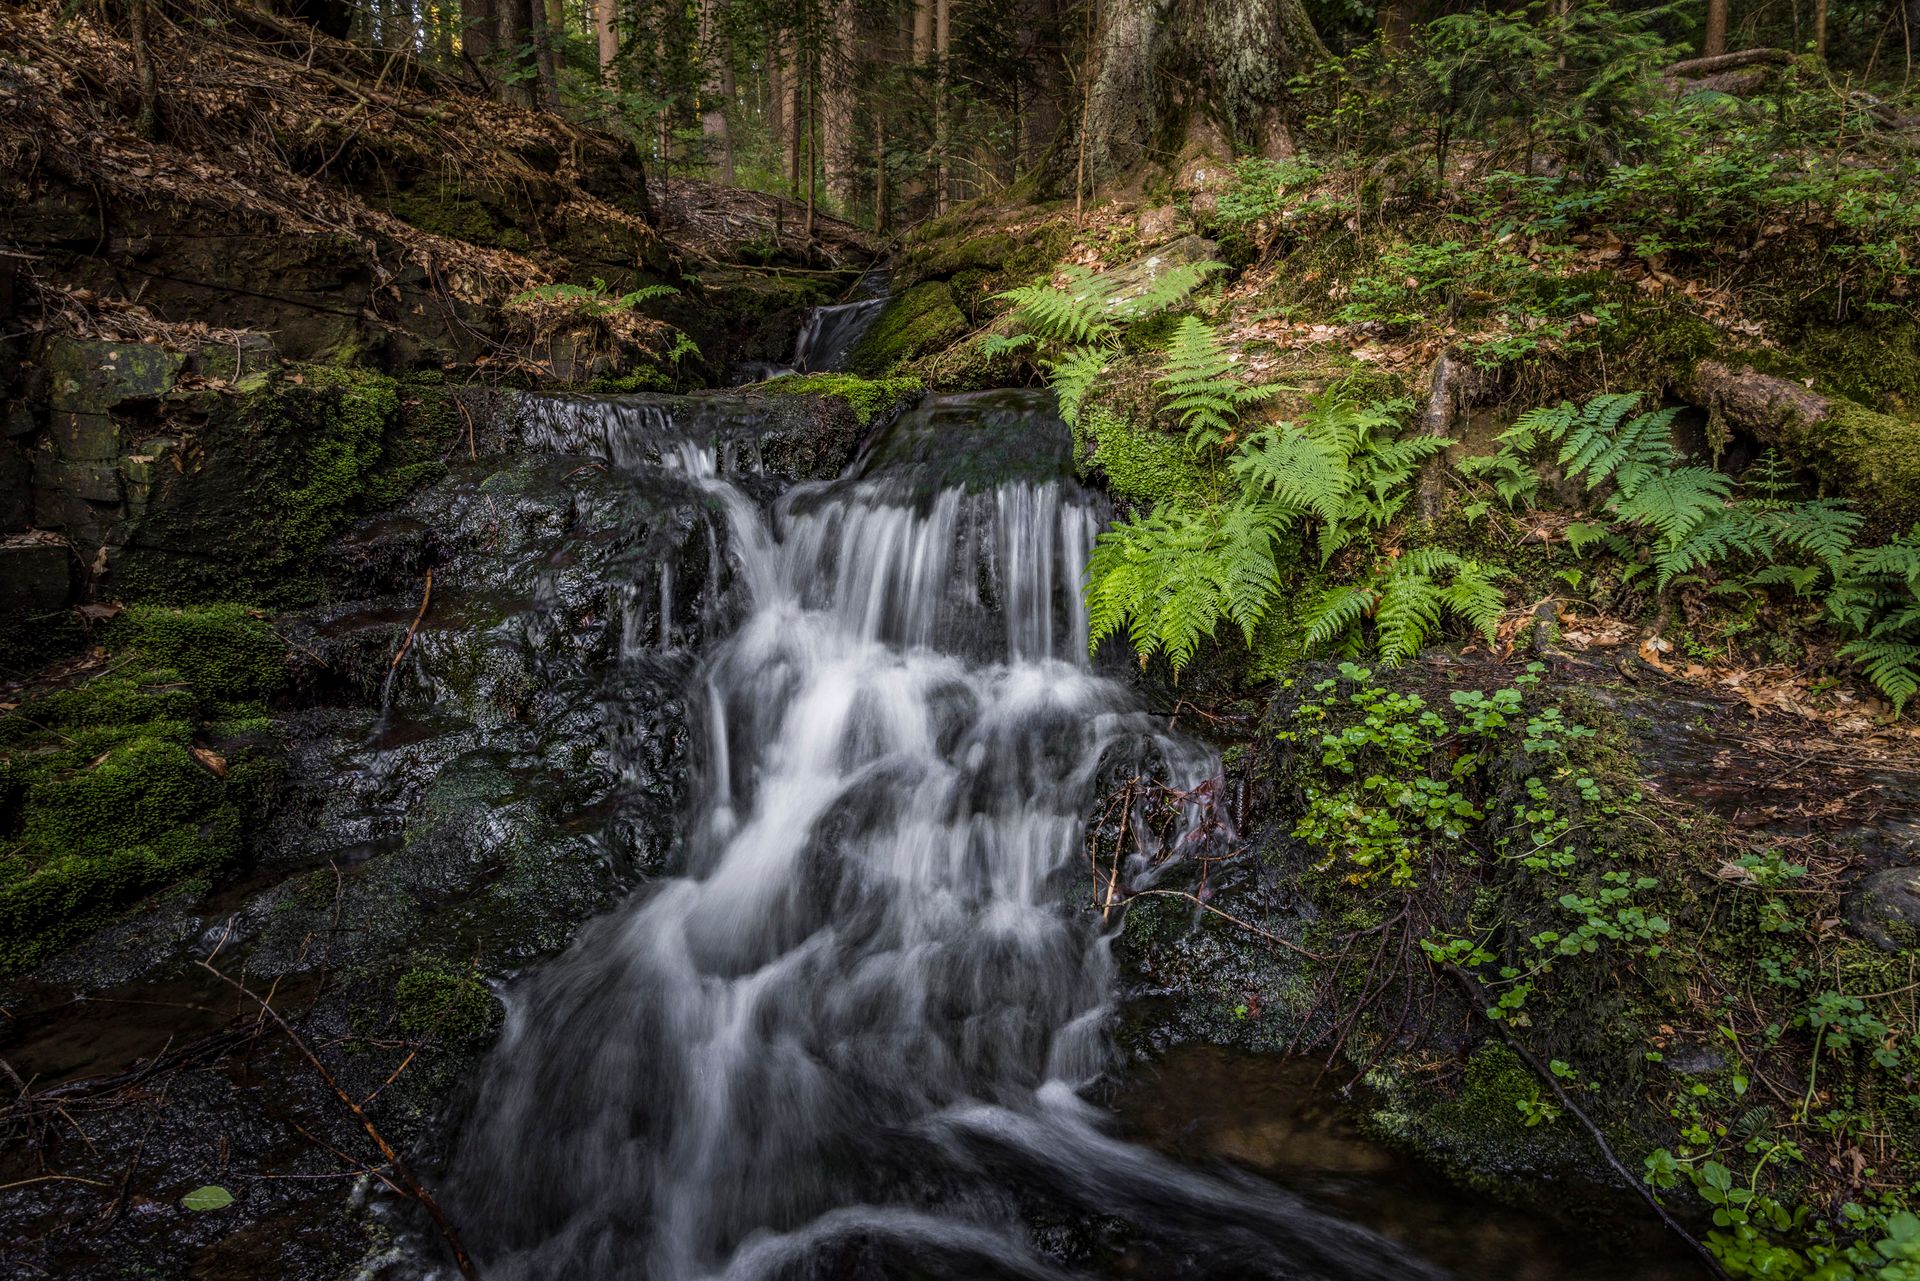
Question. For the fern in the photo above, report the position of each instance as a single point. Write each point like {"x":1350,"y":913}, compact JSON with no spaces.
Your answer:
{"x":1170,"y":577}
{"x":1408,"y":602}
{"x":1072,"y":377}
{"x":1197,"y":386}
{"x":1074,"y":314}
{"x":1339,"y":465}
{"x":1166,"y":290}
{"x":1893,"y":666}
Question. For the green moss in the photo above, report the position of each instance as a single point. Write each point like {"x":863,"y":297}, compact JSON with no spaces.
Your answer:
{"x":120,"y":785}
{"x":278,"y":473}
{"x":227,"y":651}
{"x":1139,"y":462}
{"x":446,"y":1002}
{"x":915,"y":323}
{"x":445,"y":209}
{"x":1877,"y":365}
{"x":866,"y":397}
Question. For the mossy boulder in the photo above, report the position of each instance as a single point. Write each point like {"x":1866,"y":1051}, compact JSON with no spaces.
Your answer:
{"x":266,"y":478}
{"x":922,"y":320}
{"x":145,"y":775}
{"x":866,"y":398}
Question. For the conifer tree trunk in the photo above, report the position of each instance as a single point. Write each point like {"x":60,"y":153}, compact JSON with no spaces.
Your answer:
{"x":717,"y":93}
{"x":942,"y":46}
{"x":838,"y":88}
{"x":1231,"y":58}
{"x":606,"y":34}
{"x":1713,"y":40}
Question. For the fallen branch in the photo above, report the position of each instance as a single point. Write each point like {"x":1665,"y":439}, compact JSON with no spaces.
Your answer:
{"x":1694,"y":68}
{"x":1479,"y":999}
{"x":412,"y":1186}
{"x":1194,"y":899}
{"x":406,"y":642}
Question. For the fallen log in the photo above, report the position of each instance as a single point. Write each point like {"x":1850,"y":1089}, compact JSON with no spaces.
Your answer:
{"x":1694,"y":68}
{"x":1855,"y":452}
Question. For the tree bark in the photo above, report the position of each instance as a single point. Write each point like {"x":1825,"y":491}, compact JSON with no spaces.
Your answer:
{"x":1713,"y":40}
{"x":838,"y":88}
{"x":717,"y":92}
{"x":147,"y":122}
{"x":479,"y":36}
{"x":942,"y":47}
{"x":606,"y":33}
{"x":1820,"y":29}
{"x":1871,"y":457}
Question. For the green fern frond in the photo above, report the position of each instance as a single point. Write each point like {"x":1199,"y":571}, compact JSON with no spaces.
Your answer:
{"x":1408,"y":613}
{"x":1168,"y":289}
{"x":1337,"y":612}
{"x":1892,"y":666}
{"x":1072,"y":377}
{"x":1074,"y":314}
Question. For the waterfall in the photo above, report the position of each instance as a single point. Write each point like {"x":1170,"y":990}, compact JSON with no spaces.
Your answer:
{"x":869,"y":995}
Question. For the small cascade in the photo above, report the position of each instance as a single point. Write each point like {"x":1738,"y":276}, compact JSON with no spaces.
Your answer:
{"x":831,"y":333}
{"x":850,"y":1035}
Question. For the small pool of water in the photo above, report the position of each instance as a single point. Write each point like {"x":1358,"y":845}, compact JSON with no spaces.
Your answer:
{"x":1205,"y":1105}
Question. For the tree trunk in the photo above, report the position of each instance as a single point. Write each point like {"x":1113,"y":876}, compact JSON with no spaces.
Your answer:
{"x":942,"y":46}
{"x":479,"y":36}
{"x":1820,"y":29}
{"x":839,"y":85}
{"x":1870,"y":457}
{"x":1233,"y":58}
{"x":922,"y":31}
{"x":1713,"y":41}
{"x":515,"y":31}
{"x":717,"y":93}
{"x":1394,"y":18}
{"x":147,"y":122}
{"x":606,"y":33}
{"x":548,"y":24}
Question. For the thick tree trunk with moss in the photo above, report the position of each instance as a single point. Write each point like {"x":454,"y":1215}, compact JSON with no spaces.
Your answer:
{"x":1871,"y":457}
{"x":1168,"y":71}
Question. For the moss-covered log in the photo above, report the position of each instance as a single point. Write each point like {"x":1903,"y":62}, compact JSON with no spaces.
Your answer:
{"x":1871,"y":457}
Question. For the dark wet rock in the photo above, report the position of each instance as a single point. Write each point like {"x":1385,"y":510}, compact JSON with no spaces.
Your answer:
{"x":1884,"y":909}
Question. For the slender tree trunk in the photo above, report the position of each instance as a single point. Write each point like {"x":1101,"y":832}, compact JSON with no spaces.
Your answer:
{"x":1713,"y":41}
{"x":838,"y":90}
{"x":606,"y":33}
{"x":813,"y":167}
{"x":443,"y":34}
{"x":922,"y":31}
{"x":777,"y":102}
{"x":942,"y":46}
{"x":882,"y":197}
{"x":717,"y":92}
{"x":479,"y":35}
{"x":1820,"y":28}
{"x":548,"y":23}
{"x":1394,"y":18}
{"x":147,"y":122}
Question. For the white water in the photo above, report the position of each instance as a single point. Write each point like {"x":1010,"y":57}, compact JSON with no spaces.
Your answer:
{"x":853,"y":1032}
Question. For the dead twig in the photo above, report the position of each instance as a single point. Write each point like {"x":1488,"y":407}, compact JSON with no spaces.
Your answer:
{"x":410,"y":1185}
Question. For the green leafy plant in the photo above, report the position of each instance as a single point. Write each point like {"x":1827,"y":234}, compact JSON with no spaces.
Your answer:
{"x":1406,"y":601}
{"x":1197,"y":386}
{"x":1341,"y":466}
{"x":596,"y":300}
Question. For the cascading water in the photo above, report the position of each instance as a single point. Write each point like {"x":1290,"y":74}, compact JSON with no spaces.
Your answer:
{"x":848,"y":1039}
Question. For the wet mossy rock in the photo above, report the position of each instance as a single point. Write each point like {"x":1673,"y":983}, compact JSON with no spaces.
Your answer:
{"x":867,"y":398}
{"x":264,"y":478}
{"x":148,"y":774}
{"x":920,"y":321}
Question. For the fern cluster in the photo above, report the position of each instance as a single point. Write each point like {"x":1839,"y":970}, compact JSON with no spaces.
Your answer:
{"x":1342,"y":466}
{"x":596,"y":301}
{"x":1198,"y":388}
{"x":1406,"y":601}
{"x":1168,"y":579}
{"x":1074,"y":328}
{"x":1689,"y":518}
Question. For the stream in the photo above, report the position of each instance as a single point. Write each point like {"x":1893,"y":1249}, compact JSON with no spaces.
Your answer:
{"x":828,"y":1044}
